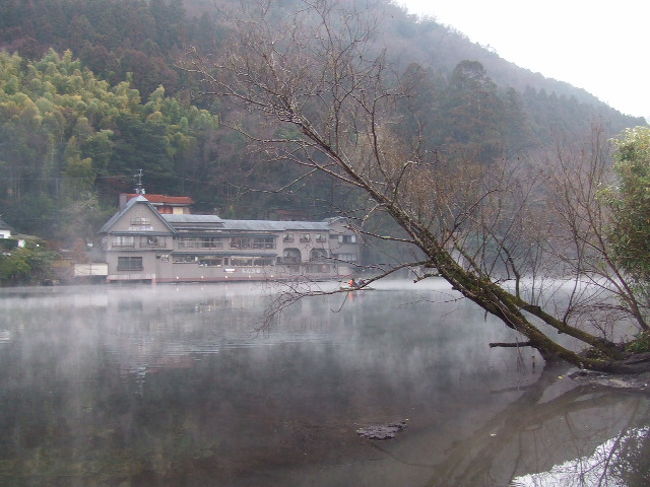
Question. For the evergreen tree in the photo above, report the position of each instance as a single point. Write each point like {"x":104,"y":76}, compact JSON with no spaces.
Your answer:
{"x":64,"y":133}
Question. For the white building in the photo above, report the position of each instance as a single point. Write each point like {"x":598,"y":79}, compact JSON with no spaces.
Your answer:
{"x":142,"y":244}
{"x":5,"y":230}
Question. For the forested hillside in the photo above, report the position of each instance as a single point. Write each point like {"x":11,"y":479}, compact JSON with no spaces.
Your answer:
{"x":70,"y":141}
{"x":111,"y":37}
{"x":91,"y":91}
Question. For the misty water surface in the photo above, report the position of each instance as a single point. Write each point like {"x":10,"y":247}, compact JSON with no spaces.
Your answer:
{"x":177,"y":386}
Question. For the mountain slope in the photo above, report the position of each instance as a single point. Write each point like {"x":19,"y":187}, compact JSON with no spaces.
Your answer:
{"x":144,"y":41}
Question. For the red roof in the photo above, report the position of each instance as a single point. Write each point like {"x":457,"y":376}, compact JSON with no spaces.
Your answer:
{"x":164,"y":199}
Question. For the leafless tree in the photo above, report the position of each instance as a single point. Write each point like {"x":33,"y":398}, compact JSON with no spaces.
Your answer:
{"x":319,"y":74}
{"x":580,"y":242}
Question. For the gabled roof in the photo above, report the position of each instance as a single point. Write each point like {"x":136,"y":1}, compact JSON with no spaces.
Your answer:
{"x":139,"y":200}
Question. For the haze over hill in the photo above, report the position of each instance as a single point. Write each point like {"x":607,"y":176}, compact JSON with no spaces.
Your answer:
{"x":103,"y":142}
{"x":593,"y":45}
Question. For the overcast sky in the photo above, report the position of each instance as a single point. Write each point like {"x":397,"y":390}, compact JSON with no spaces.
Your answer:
{"x":599,"y":45}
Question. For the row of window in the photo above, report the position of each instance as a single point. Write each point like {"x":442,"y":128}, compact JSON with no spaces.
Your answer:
{"x":216,"y":260}
{"x":148,"y":242}
{"x":201,"y":243}
{"x":132,"y":264}
{"x":128,"y":241}
{"x":303,"y":237}
{"x":129,"y":263}
{"x":306,"y":237}
{"x":140,"y":223}
{"x":252,"y":242}
{"x":344,"y":239}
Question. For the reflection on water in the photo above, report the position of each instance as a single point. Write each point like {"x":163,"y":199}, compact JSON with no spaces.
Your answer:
{"x":614,"y":462}
{"x":176,"y":386}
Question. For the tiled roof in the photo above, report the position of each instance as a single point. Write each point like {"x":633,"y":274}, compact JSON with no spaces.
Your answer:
{"x":164,"y":199}
{"x":187,"y":222}
{"x":250,"y":225}
{"x":188,"y":218}
{"x":274,"y":225}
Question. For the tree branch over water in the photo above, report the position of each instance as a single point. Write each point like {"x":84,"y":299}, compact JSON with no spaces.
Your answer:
{"x":480,"y":225}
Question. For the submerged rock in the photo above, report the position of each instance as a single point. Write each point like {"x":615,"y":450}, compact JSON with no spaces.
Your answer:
{"x":382,"y":431}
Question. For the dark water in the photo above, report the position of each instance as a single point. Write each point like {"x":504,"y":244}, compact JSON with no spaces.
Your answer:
{"x":175,"y":386}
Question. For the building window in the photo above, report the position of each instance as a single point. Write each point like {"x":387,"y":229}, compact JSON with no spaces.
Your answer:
{"x":347,"y":239}
{"x":184,"y":259}
{"x":152,"y":242}
{"x":188,"y":243}
{"x":123,"y":241}
{"x":212,"y":261}
{"x":264,"y":243}
{"x":251,"y":261}
{"x":140,"y":223}
{"x":290,"y":256}
{"x":317,"y":254}
{"x":320,"y":238}
{"x":252,"y":243}
{"x":305,"y":237}
{"x":288,"y":237}
{"x":129,"y":263}
{"x":200,"y":243}
{"x":211,"y":243}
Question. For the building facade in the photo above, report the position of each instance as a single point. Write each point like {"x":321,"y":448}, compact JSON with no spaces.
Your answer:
{"x":142,"y":244}
{"x":5,"y":230}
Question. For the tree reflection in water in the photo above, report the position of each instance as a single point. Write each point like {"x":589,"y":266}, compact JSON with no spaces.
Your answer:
{"x":607,"y":466}
{"x":529,"y":442}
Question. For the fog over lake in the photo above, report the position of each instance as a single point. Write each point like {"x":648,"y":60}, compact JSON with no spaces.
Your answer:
{"x":178,"y":386}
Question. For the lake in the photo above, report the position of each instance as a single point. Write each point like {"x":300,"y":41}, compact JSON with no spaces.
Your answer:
{"x":182,"y":386}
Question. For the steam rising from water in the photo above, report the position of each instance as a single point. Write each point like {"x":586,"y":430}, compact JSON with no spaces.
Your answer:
{"x":175,"y":385}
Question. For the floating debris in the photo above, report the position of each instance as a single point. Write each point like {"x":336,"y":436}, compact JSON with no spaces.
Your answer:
{"x":382,"y":431}
{"x":634,"y":382}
